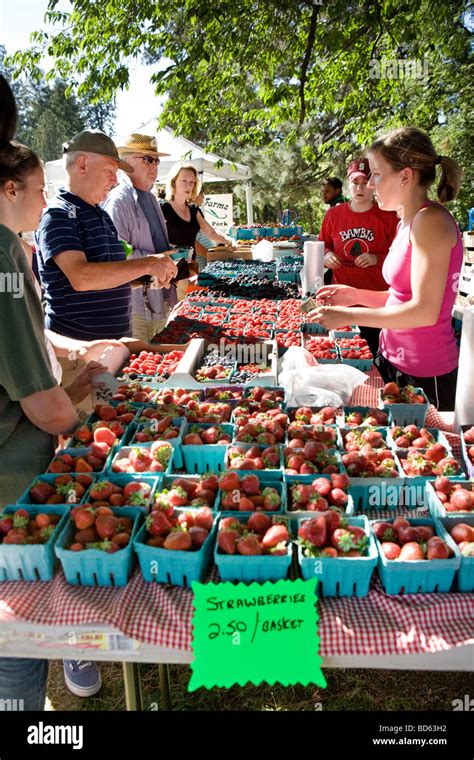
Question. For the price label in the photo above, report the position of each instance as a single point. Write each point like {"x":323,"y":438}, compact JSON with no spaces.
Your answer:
{"x":258,"y":632}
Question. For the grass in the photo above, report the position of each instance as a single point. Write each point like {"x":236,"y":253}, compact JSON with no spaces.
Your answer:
{"x":358,"y":690}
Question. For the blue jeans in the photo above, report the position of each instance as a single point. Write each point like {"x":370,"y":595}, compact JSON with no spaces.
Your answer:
{"x":23,"y":683}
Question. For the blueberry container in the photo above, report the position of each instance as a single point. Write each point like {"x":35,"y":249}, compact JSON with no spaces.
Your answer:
{"x":32,"y":562}
{"x":341,"y":576}
{"x":94,"y":567}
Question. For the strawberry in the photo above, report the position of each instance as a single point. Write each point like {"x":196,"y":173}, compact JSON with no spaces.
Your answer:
{"x":249,"y":545}
{"x":106,"y":412}
{"x":385,"y":532}
{"x":250,"y":485}
{"x":391,"y":550}
{"x":83,"y":434}
{"x":158,"y":524}
{"x":227,"y":540}
{"x":6,"y":523}
{"x":178,"y":540}
{"x":86,"y":536}
{"x":245,"y":505}
{"x":106,"y":525}
{"x":203,"y":518}
{"x":437,"y":548}
{"x":104,"y":435}
{"x":40,"y":492}
{"x":313,"y":531}
{"x":271,"y":499}
{"x":259,"y":523}
{"x":275,"y":535}
{"x":198,"y":536}
{"x":229,"y":481}
{"x":343,"y":540}
{"x":411,"y":551}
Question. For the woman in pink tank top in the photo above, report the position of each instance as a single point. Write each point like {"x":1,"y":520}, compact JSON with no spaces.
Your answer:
{"x":417,"y":343}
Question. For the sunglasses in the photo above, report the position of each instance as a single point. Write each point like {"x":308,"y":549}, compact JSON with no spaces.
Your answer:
{"x":150,"y":160}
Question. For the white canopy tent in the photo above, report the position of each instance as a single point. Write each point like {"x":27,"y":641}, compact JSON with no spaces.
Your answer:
{"x":179,"y":149}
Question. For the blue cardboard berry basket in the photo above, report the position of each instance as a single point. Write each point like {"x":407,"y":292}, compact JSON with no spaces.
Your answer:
{"x":362,"y":429}
{"x":178,"y":568}
{"x":314,"y":328}
{"x":82,"y":452}
{"x":416,"y":484}
{"x":263,"y":484}
{"x":406,"y":414}
{"x":436,"y":506}
{"x":364,"y":410}
{"x":207,"y":457}
{"x":465,"y":573}
{"x":365,"y":365}
{"x":178,"y":422}
{"x":308,"y":478}
{"x":290,"y":481}
{"x":168,"y":480}
{"x":419,"y":576}
{"x":466,"y":462}
{"x":94,"y":567}
{"x":437,"y":434}
{"x":125,"y":451}
{"x":336,"y":444}
{"x":352,"y":333}
{"x":265,"y":474}
{"x":122,"y":479}
{"x":32,"y":562}
{"x":51,"y":480}
{"x":341,"y":576}
{"x":257,"y":568}
{"x":371,"y":493}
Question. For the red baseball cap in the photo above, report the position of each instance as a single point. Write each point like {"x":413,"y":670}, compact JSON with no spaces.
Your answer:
{"x":359,"y":167}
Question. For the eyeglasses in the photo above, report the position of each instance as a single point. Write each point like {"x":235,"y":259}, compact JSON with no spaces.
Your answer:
{"x":150,"y":160}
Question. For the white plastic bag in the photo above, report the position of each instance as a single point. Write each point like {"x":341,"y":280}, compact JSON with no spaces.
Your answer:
{"x":263,"y":251}
{"x":308,"y":383}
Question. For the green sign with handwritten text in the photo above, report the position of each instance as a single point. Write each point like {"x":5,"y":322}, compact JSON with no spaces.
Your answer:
{"x":258,"y":632}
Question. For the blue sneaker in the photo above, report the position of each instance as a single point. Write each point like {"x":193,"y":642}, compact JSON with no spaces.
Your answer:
{"x":82,"y":677}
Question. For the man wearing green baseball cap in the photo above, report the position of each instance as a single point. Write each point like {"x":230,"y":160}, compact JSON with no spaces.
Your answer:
{"x":81,"y":260}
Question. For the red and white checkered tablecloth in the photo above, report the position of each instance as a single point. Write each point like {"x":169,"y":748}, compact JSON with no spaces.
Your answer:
{"x":378,"y":624}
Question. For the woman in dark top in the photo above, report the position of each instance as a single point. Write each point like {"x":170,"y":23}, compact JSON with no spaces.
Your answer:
{"x":183,"y":219}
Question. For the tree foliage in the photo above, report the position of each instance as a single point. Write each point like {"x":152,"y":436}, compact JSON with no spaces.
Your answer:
{"x":49,"y":115}
{"x":301,"y":76}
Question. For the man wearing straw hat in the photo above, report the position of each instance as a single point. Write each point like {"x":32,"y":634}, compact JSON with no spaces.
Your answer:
{"x":137,"y":215}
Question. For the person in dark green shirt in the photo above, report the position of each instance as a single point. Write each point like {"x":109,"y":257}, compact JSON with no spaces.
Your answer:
{"x":332,"y":191}
{"x":33,"y":407}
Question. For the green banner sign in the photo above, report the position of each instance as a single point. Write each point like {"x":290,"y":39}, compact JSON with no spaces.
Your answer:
{"x":258,"y":632}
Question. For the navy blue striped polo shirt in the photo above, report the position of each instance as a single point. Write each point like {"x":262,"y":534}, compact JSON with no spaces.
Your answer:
{"x":70,"y":223}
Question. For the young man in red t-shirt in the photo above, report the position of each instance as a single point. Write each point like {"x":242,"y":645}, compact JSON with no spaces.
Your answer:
{"x":357,"y":236}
